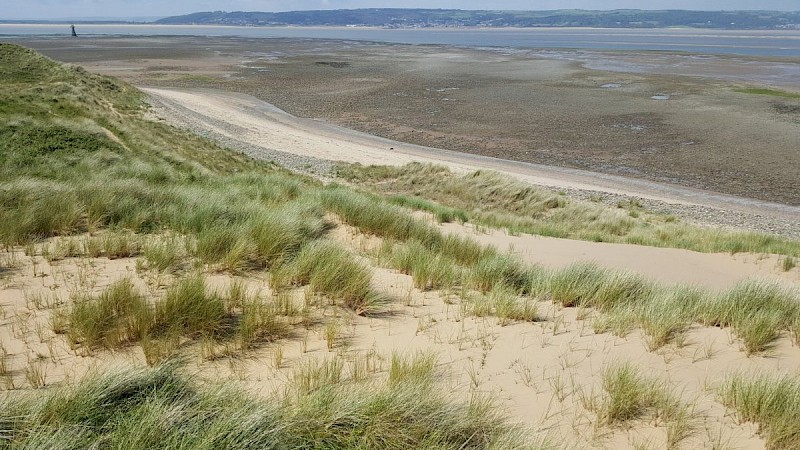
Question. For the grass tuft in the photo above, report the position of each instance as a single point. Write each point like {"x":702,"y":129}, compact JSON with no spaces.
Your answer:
{"x":576,"y":284}
{"x":165,"y":254}
{"x":259,"y":323}
{"x":496,"y":270}
{"x":628,"y":396}
{"x":430,"y":269}
{"x":756,"y":310}
{"x":187,"y":308}
{"x":331,"y":270}
{"x":118,"y":316}
{"x":771,"y":401}
{"x":419,"y":368}
{"x":667,"y":315}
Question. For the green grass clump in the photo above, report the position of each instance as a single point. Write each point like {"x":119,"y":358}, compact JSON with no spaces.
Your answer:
{"x":771,"y":92}
{"x":771,"y":401}
{"x":279,"y":234}
{"x":628,"y":395}
{"x":464,"y":250}
{"x":375,"y":216}
{"x":259,"y":323}
{"x":509,"y":306}
{"x":443,"y":214}
{"x":187,"y":308}
{"x":216,"y":243}
{"x":756,"y":310}
{"x":419,"y":368}
{"x":499,"y":270}
{"x":331,"y":270}
{"x":588,"y":285}
{"x":576,"y":284}
{"x":788,"y":263}
{"x":621,"y":289}
{"x":503,"y":302}
{"x":497,"y":201}
{"x":667,"y":315}
{"x":160,"y":408}
{"x":314,"y":374}
{"x":429,"y":269}
{"x":261,"y":237}
{"x":119,"y":315}
{"x":165,"y":254}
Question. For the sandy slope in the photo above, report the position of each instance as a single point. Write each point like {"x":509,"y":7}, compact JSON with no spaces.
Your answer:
{"x":543,"y":374}
{"x":668,"y":265}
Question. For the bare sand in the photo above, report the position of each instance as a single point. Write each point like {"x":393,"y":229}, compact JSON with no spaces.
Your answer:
{"x":543,"y":374}
{"x":668,"y":265}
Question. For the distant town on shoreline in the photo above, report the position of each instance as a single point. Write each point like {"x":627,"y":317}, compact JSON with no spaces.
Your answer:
{"x":453,"y":18}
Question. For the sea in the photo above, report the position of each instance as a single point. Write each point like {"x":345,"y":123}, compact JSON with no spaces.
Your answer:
{"x":759,"y":43}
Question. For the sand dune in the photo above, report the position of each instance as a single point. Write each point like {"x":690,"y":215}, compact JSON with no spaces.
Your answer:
{"x":543,"y":374}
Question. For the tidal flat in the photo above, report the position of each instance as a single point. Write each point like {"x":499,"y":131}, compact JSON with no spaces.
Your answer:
{"x":714,"y":131}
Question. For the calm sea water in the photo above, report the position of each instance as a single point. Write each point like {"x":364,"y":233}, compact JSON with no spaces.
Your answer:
{"x":782,"y":43}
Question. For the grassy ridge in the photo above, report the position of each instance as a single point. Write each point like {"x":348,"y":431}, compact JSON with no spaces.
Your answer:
{"x":492,"y":200}
{"x":757,"y":311}
{"x":77,"y":153}
{"x":160,"y":408}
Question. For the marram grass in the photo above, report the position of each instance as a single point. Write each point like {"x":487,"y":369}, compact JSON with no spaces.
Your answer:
{"x":771,"y":401}
{"x":493,"y":200}
{"x":162,"y":408}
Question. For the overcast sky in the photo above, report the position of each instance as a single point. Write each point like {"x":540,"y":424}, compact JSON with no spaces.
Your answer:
{"x":50,"y":9}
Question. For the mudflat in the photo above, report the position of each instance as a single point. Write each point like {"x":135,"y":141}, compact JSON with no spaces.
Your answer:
{"x":643,"y":117}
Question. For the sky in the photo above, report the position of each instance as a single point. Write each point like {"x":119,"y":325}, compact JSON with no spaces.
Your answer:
{"x":58,"y":9}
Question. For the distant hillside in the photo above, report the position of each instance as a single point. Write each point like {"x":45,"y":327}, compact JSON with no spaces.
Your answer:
{"x":425,"y":18}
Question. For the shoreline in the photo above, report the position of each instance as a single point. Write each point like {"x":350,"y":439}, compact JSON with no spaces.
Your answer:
{"x":219,"y":115}
{"x":678,"y":39}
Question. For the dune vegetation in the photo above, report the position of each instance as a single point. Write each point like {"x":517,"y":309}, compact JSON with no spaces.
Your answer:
{"x":492,"y":200}
{"x":81,"y":160}
{"x":87,"y":174}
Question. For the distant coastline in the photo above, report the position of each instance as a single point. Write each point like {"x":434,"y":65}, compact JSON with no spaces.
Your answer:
{"x":410,"y":18}
{"x":454,"y":18}
{"x":784,"y":44}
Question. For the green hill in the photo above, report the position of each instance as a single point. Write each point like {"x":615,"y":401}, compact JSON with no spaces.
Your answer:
{"x":420,"y":18}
